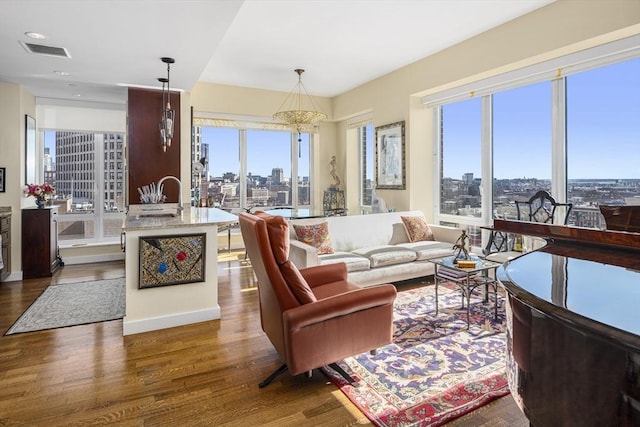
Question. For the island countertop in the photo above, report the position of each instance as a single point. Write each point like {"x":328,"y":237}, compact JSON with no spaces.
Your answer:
{"x":190,"y":217}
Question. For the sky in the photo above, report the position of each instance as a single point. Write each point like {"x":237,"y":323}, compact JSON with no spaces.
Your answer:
{"x":603,"y":128}
{"x":265,"y":150}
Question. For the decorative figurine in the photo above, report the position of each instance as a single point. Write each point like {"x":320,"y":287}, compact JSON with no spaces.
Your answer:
{"x":460,"y":247}
{"x":334,"y":174}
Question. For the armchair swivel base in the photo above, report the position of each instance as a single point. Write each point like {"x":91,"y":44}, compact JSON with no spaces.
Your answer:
{"x":283,"y":368}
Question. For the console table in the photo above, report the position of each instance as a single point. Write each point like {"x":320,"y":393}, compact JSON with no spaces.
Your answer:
{"x":333,"y":202}
{"x":40,"y":256}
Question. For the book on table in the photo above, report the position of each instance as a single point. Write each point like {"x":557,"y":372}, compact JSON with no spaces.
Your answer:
{"x":452,"y":274}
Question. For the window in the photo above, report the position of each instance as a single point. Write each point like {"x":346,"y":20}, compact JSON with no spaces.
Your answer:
{"x":603,"y":140}
{"x":251,"y":168}
{"x":221,"y":186}
{"x":90,"y":202}
{"x":269,"y":165}
{"x":304,"y":171}
{"x":365,"y":139}
{"x":575,"y":136}
{"x":460,"y":148}
{"x":521,"y":146}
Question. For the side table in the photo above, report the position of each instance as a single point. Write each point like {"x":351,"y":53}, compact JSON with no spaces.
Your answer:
{"x":467,"y":279}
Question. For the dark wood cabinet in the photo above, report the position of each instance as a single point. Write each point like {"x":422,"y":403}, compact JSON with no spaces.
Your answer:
{"x":5,"y":232}
{"x":40,"y":257}
{"x":147,"y":162}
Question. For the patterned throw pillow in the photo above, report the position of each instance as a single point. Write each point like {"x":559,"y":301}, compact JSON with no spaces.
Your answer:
{"x":316,"y":235}
{"x":417,"y":228}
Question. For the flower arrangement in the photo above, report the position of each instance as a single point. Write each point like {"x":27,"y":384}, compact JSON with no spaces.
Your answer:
{"x":39,"y":191}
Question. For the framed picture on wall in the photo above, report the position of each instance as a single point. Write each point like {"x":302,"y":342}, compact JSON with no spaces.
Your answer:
{"x":390,"y":163}
{"x":30,"y":150}
{"x":2,"y":180}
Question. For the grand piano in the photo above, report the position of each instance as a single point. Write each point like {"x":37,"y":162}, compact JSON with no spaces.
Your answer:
{"x":573,"y":326}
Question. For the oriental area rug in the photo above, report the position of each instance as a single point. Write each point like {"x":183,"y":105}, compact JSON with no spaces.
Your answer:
{"x":435,"y":370}
{"x":73,"y":304}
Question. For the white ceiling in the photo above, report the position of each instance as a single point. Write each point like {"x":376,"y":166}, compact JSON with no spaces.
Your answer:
{"x":253,"y":43}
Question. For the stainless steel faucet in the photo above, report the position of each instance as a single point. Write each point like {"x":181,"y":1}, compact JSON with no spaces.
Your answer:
{"x":180,"y":208}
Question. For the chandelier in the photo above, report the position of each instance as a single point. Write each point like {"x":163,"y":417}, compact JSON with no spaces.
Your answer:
{"x":168,"y":115}
{"x":296,"y":113}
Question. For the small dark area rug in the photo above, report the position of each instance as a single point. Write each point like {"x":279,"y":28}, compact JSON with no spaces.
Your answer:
{"x":73,"y":304}
{"x":435,"y":370}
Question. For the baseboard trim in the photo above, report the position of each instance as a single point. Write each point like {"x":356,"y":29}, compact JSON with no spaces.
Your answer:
{"x":87,"y":259}
{"x":13,"y":277}
{"x":170,"y":321}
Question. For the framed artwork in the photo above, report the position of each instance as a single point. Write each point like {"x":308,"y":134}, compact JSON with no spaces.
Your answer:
{"x":390,"y":163}
{"x":30,"y":150}
{"x":171,"y":260}
{"x":3,"y":187}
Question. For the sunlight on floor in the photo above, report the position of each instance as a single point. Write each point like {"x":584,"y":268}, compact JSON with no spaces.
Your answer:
{"x":349,"y":406}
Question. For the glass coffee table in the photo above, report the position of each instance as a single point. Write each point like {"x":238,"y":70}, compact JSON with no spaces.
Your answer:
{"x":467,"y":279}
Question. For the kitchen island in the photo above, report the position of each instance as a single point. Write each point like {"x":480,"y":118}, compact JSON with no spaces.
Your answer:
{"x":167,"y":286}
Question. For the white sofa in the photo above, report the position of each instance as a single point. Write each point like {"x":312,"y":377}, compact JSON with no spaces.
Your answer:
{"x":375,"y":247}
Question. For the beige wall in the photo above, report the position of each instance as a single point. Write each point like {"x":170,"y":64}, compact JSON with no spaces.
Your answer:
{"x":16,"y":102}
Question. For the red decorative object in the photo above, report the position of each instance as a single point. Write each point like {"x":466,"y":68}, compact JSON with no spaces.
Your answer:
{"x":181,"y":256}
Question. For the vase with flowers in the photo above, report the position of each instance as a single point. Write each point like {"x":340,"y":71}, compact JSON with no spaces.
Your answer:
{"x":40,"y":192}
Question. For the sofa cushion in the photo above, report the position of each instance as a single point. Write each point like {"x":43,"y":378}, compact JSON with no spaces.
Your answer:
{"x":379,"y":256}
{"x":417,"y":228}
{"x":354,"y":262}
{"x":316,"y":235}
{"x":399,"y":234}
{"x":297,"y":284}
{"x":427,"y":250}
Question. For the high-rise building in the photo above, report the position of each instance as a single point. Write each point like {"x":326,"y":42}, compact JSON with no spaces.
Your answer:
{"x":48,"y":161}
{"x":277,"y":175}
{"x":75,"y":166}
{"x":196,"y":153}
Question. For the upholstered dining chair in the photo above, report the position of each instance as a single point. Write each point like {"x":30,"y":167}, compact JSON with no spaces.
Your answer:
{"x":314,"y":316}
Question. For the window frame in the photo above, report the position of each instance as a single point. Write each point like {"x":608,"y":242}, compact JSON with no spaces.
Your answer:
{"x":99,"y":216}
{"x":243,"y":159}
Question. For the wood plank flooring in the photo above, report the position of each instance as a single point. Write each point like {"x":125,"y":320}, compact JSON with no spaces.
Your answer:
{"x":198,"y":375}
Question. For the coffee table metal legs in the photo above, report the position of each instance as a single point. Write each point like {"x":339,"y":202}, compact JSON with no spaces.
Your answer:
{"x":467,"y":285}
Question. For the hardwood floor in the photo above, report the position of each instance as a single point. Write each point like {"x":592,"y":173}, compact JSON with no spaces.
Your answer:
{"x":197,"y":375}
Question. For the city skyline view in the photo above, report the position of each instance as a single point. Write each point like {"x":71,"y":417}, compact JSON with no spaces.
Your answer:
{"x":273,"y":147}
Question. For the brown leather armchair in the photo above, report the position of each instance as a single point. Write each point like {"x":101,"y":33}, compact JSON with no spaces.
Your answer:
{"x":314,"y":316}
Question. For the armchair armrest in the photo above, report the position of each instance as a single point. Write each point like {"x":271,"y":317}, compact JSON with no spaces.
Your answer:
{"x":323,"y":274}
{"x":338,"y":306}
{"x":302,"y":255}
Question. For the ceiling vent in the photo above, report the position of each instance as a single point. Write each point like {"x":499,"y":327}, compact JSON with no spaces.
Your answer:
{"x":40,"y":49}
